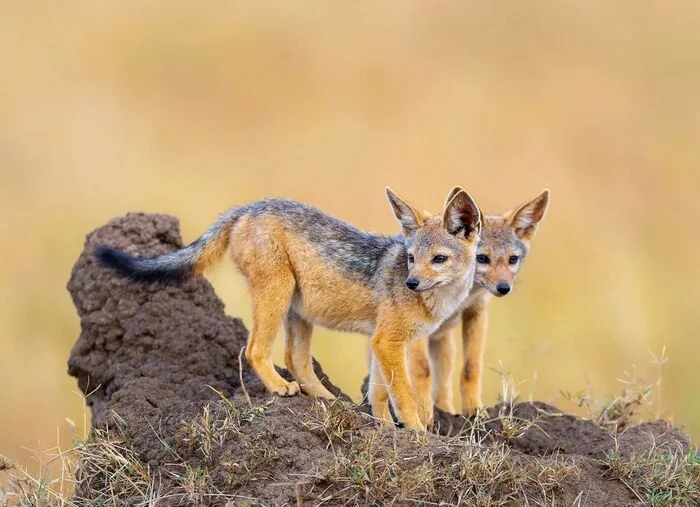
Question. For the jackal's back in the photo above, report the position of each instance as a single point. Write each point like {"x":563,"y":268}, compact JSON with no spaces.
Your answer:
{"x":358,"y":253}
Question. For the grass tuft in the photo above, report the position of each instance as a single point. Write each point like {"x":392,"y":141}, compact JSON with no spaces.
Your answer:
{"x":633,"y":405}
{"x":337,"y":420}
{"x":110,"y":472}
{"x":659,"y":476}
{"x":217,"y":421}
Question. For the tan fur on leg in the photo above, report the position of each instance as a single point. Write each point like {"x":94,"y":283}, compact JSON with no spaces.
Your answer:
{"x":419,"y":370}
{"x":442,"y":351}
{"x":389,"y":349}
{"x":298,"y":353}
{"x":378,"y":394}
{"x":288,"y":348}
{"x":474,"y":323}
{"x":271,"y":295}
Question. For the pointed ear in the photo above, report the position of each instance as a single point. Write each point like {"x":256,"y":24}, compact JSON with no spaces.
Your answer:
{"x":452,"y":193}
{"x":462,"y":216}
{"x":410,"y":217}
{"x":525,"y":219}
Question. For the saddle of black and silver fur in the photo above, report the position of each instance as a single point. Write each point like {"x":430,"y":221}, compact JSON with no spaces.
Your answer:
{"x":356,"y":252}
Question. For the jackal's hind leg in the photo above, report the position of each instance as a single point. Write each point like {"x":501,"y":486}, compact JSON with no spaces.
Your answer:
{"x":272,"y":295}
{"x":298,"y":357}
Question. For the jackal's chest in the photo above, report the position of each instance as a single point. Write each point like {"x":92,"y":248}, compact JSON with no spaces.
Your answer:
{"x":478,"y":295}
{"x":442,"y":306}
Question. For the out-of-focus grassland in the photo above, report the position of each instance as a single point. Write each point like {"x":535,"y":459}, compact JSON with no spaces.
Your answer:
{"x":190,"y":108}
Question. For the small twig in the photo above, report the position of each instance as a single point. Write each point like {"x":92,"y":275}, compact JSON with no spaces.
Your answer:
{"x":240,"y":377}
{"x":297,"y":495}
{"x":631,"y":489}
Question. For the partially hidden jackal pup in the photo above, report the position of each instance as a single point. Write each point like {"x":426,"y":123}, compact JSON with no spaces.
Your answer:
{"x":503,"y":246}
{"x":304,"y":268}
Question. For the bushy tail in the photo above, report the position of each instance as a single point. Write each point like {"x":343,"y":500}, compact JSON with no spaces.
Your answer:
{"x":175,"y":266}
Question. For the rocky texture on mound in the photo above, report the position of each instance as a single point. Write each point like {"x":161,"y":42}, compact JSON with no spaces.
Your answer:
{"x":159,"y":366}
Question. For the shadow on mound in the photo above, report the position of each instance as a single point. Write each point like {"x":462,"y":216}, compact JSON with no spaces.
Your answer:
{"x":177,"y":420}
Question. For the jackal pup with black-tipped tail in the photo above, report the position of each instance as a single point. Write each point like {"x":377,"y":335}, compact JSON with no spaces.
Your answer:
{"x":304,"y":267}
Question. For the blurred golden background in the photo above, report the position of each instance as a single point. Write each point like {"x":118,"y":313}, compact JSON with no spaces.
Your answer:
{"x":190,"y":108}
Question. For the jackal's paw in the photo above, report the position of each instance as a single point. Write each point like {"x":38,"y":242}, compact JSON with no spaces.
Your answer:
{"x":287,"y":389}
{"x":416,"y":425}
{"x":315,"y":389}
{"x":318,"y":392}
{"x":472,"y":408}
{"x":425,"y":417}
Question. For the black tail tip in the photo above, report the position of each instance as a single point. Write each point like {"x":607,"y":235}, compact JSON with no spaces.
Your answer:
{"x":142,"y":269}
{"x":113,"y":258}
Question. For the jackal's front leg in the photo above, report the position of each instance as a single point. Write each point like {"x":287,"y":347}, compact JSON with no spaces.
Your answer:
{"x":442,"y":359}
{"x":474,"y":323}
{"x":389,"y":349}
{"x":378,"y":393}
{"x":421,"y":378}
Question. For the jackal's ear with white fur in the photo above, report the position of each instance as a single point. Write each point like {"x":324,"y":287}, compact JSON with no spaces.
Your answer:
{"x":410,"y":217}
{"x":452,"y":193}
{"x":462,"y":216}
{"x":525,"y":219}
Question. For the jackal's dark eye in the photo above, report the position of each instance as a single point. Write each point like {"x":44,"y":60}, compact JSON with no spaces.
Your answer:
{"x":439,"y":259}
{"x":410,"y":258}
{"x":483,"y":259}
{"x":513,"y":259}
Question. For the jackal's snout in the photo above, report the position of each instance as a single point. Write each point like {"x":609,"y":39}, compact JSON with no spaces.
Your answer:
{"x":503,"y":288}
{"x":412,"y":282}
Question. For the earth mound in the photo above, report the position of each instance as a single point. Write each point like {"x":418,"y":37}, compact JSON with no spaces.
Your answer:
{"x":180,"y":419}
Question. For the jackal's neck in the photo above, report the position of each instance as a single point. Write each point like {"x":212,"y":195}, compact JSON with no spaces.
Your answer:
{"x":443,"y":302}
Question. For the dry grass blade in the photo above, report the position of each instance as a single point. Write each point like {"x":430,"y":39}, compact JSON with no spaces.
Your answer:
{"x":660,"y":476}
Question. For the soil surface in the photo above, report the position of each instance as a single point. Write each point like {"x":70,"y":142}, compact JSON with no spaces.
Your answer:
{"x":153,"y":359}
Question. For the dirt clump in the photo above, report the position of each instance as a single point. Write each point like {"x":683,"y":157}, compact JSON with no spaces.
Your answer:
{"x":178,"y":421}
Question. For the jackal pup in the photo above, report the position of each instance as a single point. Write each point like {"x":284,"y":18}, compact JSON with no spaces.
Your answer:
{"x":304,"y":267}
{"x":504,"y":244}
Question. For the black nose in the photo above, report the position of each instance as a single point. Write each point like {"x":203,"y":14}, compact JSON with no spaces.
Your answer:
{"x":412,"y":283}
{"x":503,"y":288}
